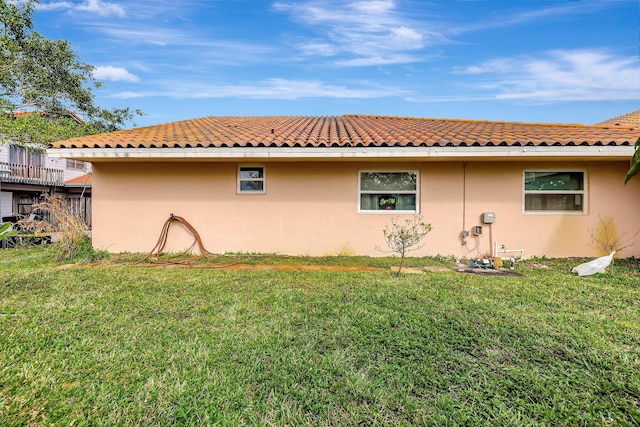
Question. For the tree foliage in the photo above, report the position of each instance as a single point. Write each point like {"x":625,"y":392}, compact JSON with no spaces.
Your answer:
{"x":634,"y":168}
{"x":6,"y":231}
{"x":38,"y":74}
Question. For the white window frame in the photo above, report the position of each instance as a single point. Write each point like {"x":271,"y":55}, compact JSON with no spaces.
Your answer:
{"x":582,"y":193}
{"x":393,"y":211}
{"x":72,"y":164}
{"x":27,"y":155}
{"x":240,"y":180}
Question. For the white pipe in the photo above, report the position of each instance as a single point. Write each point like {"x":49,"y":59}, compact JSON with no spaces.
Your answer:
{"x":504,"y":250}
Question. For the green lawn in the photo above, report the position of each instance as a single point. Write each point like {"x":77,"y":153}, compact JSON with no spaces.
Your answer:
{"x":118,"y":344}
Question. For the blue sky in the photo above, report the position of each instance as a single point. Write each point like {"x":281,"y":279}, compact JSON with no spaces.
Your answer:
{"x":511,"y":60}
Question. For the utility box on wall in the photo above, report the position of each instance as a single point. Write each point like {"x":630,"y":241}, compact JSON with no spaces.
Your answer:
{"x":488,"y":217}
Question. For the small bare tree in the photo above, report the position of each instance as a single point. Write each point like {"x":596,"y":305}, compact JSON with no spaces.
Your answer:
{"x":403,"y":238}
{"x":606,"y":239}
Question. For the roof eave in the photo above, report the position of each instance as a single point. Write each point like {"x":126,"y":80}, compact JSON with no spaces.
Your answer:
{"x":341,"y":153}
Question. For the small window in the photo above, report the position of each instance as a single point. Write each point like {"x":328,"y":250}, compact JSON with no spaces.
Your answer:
{"x":251,"y":179}
{"x":75,"y":164}
{"x":554,"y":192}
{"x":389,"y":191}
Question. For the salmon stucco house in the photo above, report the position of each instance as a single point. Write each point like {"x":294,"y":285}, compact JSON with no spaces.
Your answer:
{"x":330,"y":185}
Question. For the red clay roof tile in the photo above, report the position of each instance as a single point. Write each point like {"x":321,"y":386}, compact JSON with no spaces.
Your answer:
{"x":83,"y":180}
{"x":626,"y":120}
{"x":353,"y":131}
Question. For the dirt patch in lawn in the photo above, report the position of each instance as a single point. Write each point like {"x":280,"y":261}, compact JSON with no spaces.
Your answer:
{"x":266,"y":267}
{"x":437,"y":269}
{"x":304,"y":267}
{"x":421,"y":270}
{"x":247,"y":267}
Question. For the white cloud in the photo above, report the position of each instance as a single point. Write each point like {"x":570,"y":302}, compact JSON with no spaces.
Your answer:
{"x":492,"y":66}
{"x":195,"y":50}
{"x":54,"y":5}
{"x":130,"y":95}
{"x":562,"y":75}
{"x":100,"y":7}
{"x":146,"y":34}
{"x":407,"y":36}
{"x":556,"y":10}
{"x":115,"y":74}
{"x":282,"y":89}
{"x":378,"y":60}
{"x":379,"y":32}
{"x":369,"y":32}
{"x":139,"y":34}
{"x":375,"y":6}
{"x":320,"y":49}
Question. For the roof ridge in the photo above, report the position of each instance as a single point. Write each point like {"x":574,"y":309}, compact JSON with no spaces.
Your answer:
{"x":380,"y":116}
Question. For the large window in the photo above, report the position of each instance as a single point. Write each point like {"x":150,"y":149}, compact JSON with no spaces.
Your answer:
{"x":389,"y":191}
{"x":554,"y":191}
{"x":251,"y":180}
{"x":20,"y":155}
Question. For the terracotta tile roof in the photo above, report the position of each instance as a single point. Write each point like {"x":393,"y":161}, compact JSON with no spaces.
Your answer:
{"x":352,"y":131}
{"x":83,"y":180}
{"x":626,"y":120}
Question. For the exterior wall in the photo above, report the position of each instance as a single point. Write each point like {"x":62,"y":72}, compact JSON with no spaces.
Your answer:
{"x":498,"y":188}
{"x":6,"y":204}
{"x":312,"y":208}
{"x":21,"y":188}
{"x":68,"y":174}
{"x":50,"y":163}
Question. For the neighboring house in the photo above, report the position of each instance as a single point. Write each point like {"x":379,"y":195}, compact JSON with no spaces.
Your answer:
{"x":77,"y":194}
{"x":330,"y":185}
{"x":29,"y":174}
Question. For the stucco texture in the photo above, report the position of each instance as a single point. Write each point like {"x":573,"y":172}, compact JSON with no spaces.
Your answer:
{"x":311,"y":208}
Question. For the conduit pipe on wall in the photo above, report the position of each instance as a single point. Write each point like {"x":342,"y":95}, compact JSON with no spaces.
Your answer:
{"x":464,"y":232}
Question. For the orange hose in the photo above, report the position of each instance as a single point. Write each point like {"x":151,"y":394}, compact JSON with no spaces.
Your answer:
{"x":162,"y":242}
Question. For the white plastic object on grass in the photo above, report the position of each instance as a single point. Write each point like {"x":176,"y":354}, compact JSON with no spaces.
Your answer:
{"x":598,"y":265}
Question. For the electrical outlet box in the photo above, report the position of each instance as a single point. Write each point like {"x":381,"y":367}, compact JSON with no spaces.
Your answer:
{"x":488,"y":217}
{"x":477,"y":230}
{"x":465,"y":233}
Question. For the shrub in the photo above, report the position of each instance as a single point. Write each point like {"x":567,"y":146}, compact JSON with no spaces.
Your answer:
{"x":71,"y":230}
{"x":6,"y":231}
